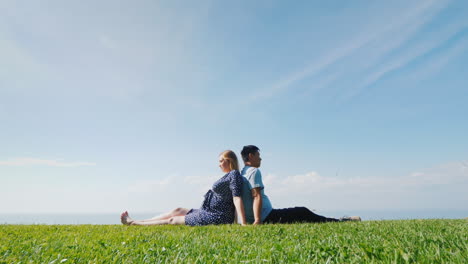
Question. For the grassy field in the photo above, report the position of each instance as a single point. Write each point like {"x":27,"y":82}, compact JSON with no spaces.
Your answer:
{"x":421,"y":241}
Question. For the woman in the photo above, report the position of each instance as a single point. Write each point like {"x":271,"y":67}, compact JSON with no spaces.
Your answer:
{"x":218,"y":206}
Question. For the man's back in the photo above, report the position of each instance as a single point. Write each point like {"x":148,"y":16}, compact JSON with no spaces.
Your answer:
{"x":252,"y":178}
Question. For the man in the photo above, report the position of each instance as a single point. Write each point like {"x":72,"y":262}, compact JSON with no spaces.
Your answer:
{"x":257,"y":205}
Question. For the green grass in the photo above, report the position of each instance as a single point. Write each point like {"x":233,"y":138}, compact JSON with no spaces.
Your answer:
{"x":405,"y":241}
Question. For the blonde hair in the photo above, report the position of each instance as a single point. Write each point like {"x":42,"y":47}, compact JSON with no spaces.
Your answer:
{"x":230,"y":156}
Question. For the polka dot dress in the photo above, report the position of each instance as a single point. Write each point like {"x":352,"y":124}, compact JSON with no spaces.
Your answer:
{"x":218,"y":207}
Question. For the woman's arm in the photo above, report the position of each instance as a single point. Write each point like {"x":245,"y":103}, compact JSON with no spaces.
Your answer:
{"x":239,"y":204}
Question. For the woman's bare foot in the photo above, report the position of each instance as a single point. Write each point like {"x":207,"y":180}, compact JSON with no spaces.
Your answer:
{"x":126,"y":219}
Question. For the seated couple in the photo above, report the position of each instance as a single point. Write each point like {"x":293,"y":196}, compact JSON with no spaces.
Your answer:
{"x":242,"y":193}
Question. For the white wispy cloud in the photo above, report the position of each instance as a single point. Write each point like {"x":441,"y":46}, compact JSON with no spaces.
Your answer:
{"x":440,"y":61}
{"x":43,"y":162}
{"x":421,"y":189}
{"x":464,"y":165}
{"x":384,"y":66}
{"x":371,"y":46}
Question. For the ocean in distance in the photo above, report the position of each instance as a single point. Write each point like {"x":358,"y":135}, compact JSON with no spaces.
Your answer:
{"x":114,"y":219}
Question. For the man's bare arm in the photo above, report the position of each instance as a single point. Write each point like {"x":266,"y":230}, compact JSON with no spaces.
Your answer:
{"x":257,"y":205}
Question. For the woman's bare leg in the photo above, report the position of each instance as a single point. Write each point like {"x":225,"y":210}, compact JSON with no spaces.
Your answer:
{"x":175,"y":220}
{"x":176,"y":212}
{"x":127,"y":220}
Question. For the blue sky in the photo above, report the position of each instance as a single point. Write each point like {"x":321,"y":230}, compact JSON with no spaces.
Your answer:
{"x":120,"y":105}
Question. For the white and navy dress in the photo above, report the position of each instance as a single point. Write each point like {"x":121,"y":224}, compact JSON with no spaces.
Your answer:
{"x":218,"y":206}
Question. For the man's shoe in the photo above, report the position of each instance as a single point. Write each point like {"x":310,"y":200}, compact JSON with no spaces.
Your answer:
{"x":350,"y":218}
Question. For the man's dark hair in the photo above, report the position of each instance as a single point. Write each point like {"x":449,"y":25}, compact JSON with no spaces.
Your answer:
{"x":246,"y":150}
